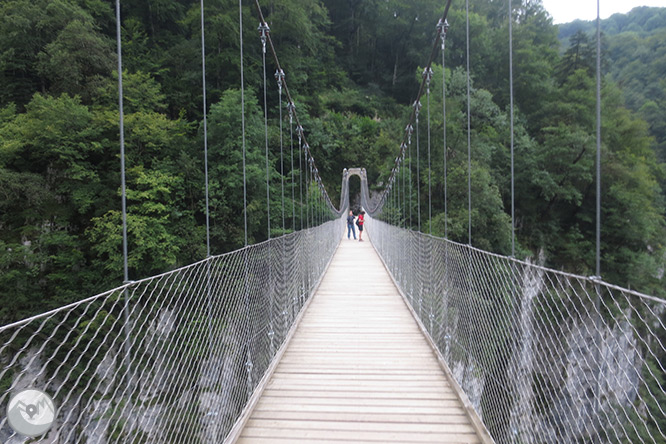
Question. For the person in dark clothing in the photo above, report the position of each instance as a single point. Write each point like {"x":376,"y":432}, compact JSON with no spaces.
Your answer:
{"x":350,"y":225}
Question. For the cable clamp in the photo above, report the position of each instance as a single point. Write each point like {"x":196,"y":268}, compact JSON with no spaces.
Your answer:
{"x":291,"y":108}
{"x":299,"y":131}
{"x":417,"y":109}
{"x":443,"y":28}
{"x":279,"y":76}
{"x":427,"y":75}
{"x":263,"y":34}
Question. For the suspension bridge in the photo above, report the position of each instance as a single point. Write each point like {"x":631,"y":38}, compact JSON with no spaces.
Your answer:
{"x":311,"y":337}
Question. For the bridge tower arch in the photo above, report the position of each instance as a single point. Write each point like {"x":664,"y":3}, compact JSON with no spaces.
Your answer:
{"x":365,"y":193}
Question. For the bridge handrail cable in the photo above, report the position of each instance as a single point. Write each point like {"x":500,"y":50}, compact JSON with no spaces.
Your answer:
{"x":189,"y":334}
{"x":544,"y":355}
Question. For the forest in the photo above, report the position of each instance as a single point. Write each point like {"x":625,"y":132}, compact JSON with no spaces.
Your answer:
{"x":353,"y":68}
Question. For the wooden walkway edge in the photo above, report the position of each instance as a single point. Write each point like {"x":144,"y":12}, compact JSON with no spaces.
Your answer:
{"x":358,"y":369}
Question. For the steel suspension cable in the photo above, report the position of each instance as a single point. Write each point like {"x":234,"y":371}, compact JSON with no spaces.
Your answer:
{"x":410,"y":129}
{"x":404,"y":185}
{"x":288,"y":94}
{"x":205,"y":127}
{"x":264,"y":30}
{"x":398,"y":199}
{"x":320,"y":200}
{"x":308,"y":185}
{"x":246,"y":290}
{"x":308,"y":173}
{"x":299,"y":130}
{"x":121,"y":129}
{"x":121,"y":123}
{"x":279,"y":76}
{"x":428,"y":74}
{"x":395,"y":189}
{"x":469,"y":137}
{"x":598,"y":203}
{"x":443,"y":29}
{"x":242,"y":81}
{"x":513,"y":203}
{"x":291,"y":150}
{"x":417,"y":106}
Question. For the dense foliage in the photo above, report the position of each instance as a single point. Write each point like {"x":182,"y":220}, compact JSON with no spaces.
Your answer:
{"x":351,"y":66}
{"x":635,"y":58}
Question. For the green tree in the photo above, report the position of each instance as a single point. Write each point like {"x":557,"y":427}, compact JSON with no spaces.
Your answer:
{"x":76,"y":59}
{"x":50,"y":45}
{"x":152,"y":245}
{"x":226,"y":173}
{"x":581,"y":54}
{"x":50,"y":185}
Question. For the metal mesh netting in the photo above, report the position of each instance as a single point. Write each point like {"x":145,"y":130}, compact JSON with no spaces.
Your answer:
{"x":544,"y":356}
{"x":172,"y":358}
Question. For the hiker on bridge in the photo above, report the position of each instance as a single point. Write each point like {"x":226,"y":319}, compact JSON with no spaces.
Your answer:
{"x":350,"y":225}
{"x":359,"y":223}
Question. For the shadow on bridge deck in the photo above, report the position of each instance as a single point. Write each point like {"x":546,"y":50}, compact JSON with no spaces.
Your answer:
{"x":358,"y":369}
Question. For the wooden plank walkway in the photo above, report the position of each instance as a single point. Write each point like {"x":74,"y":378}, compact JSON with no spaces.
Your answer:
{"x":358,"y":369}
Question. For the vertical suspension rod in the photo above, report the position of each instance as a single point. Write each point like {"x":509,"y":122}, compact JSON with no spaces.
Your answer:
{"x":271,"y":46}
{"x":291,"y":151}
{"x":598,"y":204}
{"x":242,"y":79}
{"x":121,"y":123}
{"x":264,"y":32}
{"x":469,"y":138}
{"x":205,"y":126}
{"x":428,"y":74}
{"x":279,"y":76}
{"x":513,"y":194}
{"x":443,"y":29}
{"x":433,"y":53}
{"x":417,"y":106}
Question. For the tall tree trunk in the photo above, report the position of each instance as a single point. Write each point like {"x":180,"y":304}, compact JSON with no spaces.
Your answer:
{"x":150,"y":20}
{"x":395,"y":70}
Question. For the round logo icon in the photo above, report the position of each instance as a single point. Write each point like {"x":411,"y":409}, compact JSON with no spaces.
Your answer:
{"x":31,"y":412}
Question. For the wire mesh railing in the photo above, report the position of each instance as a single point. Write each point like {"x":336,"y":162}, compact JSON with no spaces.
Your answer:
{"x":172,"y":358}
{"x":544,"y":356}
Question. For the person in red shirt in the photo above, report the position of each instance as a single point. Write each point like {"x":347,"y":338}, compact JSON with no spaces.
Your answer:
{"x":359,"y":223}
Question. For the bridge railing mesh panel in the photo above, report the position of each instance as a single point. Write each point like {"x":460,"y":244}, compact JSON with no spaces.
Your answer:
{"x":544,"y":356}
{"x":169,"y":359}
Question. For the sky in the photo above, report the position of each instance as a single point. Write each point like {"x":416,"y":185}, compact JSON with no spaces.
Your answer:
{"x":564,"y":11}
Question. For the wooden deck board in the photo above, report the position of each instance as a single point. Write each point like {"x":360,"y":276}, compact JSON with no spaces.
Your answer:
{"x":358,"y":369}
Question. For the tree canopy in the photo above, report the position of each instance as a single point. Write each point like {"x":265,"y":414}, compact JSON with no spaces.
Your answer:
{"x":353,"y":68}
